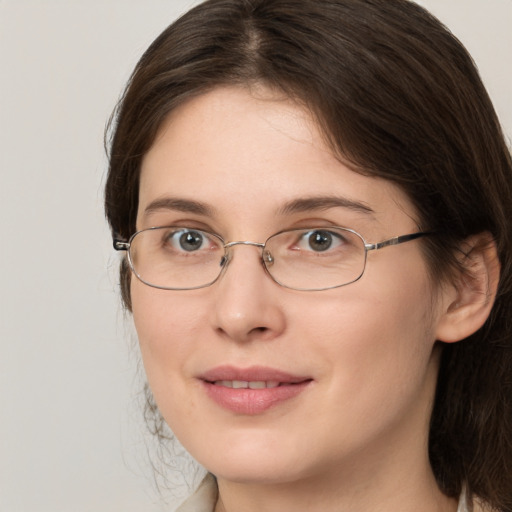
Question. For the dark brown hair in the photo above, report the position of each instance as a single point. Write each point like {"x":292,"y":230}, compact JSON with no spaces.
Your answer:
{"x":397,"y":96}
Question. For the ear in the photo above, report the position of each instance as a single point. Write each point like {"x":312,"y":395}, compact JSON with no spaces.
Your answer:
{"x":468,"y":299}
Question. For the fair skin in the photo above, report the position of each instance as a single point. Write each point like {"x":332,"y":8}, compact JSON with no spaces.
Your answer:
{"x":355,"y":438}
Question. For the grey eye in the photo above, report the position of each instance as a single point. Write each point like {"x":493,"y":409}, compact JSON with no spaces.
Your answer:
{"x":191,"y":240}
{"x":319,"y":241}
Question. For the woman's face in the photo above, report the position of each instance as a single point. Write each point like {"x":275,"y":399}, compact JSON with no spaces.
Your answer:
{"x":355,"y":365}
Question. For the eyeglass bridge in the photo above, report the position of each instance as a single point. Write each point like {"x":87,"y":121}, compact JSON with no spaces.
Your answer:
{"x":268,"y":259}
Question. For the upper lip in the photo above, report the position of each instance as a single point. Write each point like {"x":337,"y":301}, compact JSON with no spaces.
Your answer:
{"x":251,"y":374}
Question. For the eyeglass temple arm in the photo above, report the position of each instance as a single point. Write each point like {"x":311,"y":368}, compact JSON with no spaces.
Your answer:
{"x":395,"y":241}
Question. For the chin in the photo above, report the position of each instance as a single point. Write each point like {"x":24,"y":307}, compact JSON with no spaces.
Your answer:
{"x":258,"y":460}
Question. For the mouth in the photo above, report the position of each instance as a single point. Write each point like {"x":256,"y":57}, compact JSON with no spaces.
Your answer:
{"x":252,"y":390}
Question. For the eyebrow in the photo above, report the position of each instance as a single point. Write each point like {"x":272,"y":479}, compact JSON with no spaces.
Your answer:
{"x":180,"y":205}
{"x":300,"y":205}
{"x":316,"y":203}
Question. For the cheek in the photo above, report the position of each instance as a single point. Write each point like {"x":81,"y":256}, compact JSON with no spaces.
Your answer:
{"x":379,"y":343}
{"x":166,"y":328}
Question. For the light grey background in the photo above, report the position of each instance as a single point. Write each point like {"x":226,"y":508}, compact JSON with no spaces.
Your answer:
{"x":71,"y":436}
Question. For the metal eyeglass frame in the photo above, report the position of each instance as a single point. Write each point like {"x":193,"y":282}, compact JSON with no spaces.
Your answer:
{"x":124,"y":245}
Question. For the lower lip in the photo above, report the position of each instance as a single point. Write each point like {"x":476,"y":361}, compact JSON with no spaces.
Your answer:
{"x":253,"y":401}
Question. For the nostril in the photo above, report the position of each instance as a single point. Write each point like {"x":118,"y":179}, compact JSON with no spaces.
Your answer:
{"x":259,"y":330}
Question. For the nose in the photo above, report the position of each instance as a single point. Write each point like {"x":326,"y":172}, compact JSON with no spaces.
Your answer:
{"x":247,"y":303}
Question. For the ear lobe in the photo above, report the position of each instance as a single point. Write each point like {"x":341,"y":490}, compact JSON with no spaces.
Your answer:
{"x":468,"y":300}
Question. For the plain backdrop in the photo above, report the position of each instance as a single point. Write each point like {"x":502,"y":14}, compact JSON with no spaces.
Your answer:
{"x":71,"y":434}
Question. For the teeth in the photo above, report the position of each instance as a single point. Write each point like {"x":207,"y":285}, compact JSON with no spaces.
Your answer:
{"x":257,"y":385}
{"x":243,"y":384}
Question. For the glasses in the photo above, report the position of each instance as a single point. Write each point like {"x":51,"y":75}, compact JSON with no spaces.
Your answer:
{"x":306,"y":259}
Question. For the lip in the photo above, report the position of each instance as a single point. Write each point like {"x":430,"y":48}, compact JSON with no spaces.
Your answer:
{"x":249,"y":401}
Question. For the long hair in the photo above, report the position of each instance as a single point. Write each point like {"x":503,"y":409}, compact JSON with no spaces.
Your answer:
{"x":397,"y":96}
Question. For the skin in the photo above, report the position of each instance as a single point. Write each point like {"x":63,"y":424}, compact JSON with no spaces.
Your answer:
{"x":356,"y":438}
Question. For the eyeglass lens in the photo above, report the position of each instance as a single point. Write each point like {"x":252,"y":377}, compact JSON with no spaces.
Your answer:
{"x":304,"y":259}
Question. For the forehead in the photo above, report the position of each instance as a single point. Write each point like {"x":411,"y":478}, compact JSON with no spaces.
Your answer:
{"x":248,"y":152}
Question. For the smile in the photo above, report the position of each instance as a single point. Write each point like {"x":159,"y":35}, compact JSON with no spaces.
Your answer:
{"x":252,"y":391}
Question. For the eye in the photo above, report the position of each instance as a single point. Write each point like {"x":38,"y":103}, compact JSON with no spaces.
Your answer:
{"x":188,"y":240}
{"x":319,"y":240}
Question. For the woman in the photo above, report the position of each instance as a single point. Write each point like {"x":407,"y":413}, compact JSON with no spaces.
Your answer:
{"x":315,"y":199}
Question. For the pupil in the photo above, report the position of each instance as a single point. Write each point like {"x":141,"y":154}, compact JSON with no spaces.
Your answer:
{"x":320,"y":241}
{"x":191,"y":241}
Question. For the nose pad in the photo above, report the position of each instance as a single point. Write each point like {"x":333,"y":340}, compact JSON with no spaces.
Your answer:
{"x":268,"y":259}
{"x":224,"y":260}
